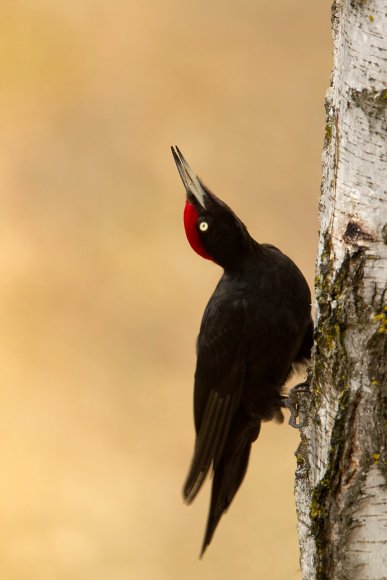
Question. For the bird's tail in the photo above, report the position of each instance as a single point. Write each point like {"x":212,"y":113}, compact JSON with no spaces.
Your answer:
{"x":228,"y":476}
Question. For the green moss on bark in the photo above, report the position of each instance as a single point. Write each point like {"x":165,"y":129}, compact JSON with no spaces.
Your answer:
{"x":340,"y":295}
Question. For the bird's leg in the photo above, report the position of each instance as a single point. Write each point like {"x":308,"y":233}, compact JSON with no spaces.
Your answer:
{"x":295,"y":402}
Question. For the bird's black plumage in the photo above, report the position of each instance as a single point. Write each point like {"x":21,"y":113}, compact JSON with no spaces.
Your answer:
{"x":256,"y":325}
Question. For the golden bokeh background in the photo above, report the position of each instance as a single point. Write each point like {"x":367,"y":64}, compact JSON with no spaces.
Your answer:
{"x":101,"y":296}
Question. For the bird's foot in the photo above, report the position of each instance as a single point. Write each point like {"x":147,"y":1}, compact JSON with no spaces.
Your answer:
{"x":295,"y":402}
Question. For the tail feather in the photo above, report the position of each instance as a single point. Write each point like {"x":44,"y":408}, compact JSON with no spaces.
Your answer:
{"x":228,"y":476}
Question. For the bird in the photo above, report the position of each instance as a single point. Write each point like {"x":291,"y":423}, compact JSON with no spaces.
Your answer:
{"x":256,"y":328}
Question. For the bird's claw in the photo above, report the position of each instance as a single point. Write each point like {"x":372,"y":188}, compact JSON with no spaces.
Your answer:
{"x":295,"y":402}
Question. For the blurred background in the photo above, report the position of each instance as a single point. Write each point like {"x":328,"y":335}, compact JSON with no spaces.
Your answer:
{"x":100,"y":295}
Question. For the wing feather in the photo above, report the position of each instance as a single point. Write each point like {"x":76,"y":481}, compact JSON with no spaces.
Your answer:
{"x":219,"y":379}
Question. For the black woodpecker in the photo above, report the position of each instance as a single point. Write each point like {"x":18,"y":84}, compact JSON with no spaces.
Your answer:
{"x":255,"y":327}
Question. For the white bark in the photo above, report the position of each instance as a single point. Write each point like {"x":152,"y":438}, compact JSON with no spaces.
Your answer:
{"x":341,"y":490}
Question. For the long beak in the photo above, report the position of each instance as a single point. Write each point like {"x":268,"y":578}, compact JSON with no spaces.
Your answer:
{"x":189,"y":179}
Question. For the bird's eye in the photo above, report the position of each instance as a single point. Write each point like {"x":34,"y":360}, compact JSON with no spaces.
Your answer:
{"x":203,"y":226}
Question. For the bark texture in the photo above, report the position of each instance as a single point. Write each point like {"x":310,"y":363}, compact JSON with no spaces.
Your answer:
{"x":341,"y":490}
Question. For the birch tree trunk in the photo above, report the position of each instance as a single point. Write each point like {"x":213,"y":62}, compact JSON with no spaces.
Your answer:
{"x":341,"y":491}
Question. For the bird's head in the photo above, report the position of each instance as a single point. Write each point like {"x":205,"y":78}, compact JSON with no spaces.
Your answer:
{"x":211,"y":227}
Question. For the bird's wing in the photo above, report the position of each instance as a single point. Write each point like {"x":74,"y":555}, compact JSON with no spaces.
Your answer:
{"x":219,"y":379}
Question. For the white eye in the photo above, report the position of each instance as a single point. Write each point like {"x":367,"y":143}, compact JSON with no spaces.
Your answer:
{"x":203,"y":226}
